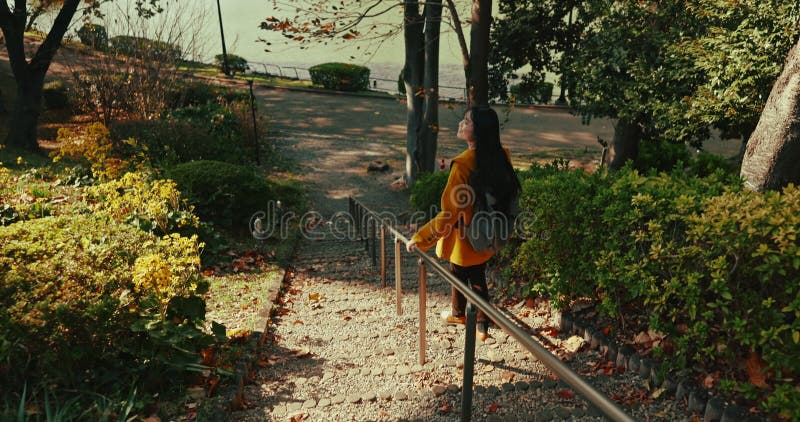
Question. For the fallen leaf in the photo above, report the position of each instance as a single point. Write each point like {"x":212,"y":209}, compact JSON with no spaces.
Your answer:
{"x":551,"y":331}
{"x":565,"y":394}
{"x":492,"y":407}
{"x":298,"y":417}
{"x":488,"y":368}
{"x":656,"y":394}
{"x":445,"y":408}
{"x":298,"y":322}
{"x":263,"y":363}
{"x":754,"y":367}
{"x":347,"y":318}
{"x":710,"y":380}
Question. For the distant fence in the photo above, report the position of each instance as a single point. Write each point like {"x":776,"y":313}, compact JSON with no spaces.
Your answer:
{"x":452,"y":93}
{"x":377,"y":84}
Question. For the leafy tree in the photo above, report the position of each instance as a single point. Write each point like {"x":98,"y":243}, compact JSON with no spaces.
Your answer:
{"x":533,"y":33}
{"x":30,"y":73}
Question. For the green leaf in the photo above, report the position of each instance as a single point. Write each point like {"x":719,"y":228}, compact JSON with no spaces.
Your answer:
{"x":796,"y":336}
{"x":219,"y":331}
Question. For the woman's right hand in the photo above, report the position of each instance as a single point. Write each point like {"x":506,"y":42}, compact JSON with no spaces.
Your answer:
{"x":411,"y":246}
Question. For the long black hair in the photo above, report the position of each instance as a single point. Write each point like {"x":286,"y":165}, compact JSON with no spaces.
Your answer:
{"x":493,"y":172}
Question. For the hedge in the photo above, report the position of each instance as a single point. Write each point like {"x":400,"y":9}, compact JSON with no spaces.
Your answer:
{"x":144,"y":48}
{"x":713,"y":267}
{"x":340,"y":76}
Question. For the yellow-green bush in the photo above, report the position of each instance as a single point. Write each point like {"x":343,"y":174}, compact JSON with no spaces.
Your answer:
{"x":713,"y":267}
{"x":150,"y":204}
{"x":108,"y":159}
{"x":78,"y":306}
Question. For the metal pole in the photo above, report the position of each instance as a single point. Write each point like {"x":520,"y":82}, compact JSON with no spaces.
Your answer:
{"x":366,"y":234}
{"x":383,"y":256}
{"x":423,"y":282}
{"x":225,"y":69}
{"x":255,"y":124}
{"x":398,"y":274}
{"x":469,"y":362}
{"x":374,"y":245}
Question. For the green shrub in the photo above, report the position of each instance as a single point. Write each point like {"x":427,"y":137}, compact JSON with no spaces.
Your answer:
{"x":236,"y":64}
{"x":185,"y":94}
{"x":153,"y":205}
{"x":144,"y":48}
{"x":86,"y":302}
{"x":661,"y":156}
{"x":94,"y":36}
{"x":340,"y":76}
{"x":426,"y":193}
{"x":55,"y":95}
{"x":702,"y":261}
{"x":228,"y":194}
{"x":532,"y":92}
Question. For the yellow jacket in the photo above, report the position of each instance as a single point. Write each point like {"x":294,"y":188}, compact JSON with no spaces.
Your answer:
{"x":447,"y":229}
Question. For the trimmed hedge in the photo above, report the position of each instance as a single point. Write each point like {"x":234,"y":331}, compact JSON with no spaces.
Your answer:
{"x":236,"y":64}
{"x":340,"y":76}
{"x":711,"y":266}
{"x":228,"y":194}
{"x":94,"y":36}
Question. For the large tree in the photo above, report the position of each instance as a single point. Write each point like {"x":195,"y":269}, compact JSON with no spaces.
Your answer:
{"x":773,"y":153}
{"x":29,"y":73}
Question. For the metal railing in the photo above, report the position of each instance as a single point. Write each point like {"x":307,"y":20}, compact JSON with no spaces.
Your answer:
{"x":366,"y":225}
{"x":382,"y":84}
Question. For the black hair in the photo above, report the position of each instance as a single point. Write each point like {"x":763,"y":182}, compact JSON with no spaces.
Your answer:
{"x":493,"y":172}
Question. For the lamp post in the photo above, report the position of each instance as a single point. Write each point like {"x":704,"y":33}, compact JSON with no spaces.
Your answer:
{"x":225,"y":68}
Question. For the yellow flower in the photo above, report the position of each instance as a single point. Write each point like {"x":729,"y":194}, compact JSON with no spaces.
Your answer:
{"x":19,"y":161}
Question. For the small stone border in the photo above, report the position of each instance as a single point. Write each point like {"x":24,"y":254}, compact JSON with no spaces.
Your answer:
{"x":687,"y":394}
{"x":233,"y":394}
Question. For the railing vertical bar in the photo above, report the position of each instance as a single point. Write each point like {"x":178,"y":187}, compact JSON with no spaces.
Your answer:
{"x":365,"y":233}
{"x":398,"y":275}
{"x":374,"y":246}
{"x":423,"y":306}
{"x":469,"y":363}
{"x":383,"y":256}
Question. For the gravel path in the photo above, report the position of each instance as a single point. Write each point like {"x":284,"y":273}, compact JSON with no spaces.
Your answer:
{"x":339,"y":350}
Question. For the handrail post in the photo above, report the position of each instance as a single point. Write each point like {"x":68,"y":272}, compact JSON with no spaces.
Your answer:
{"x":398,"y":274}
{"x":383,"y":255}
{"x":374,"y":245}
{"x":423,"y":287}
{"x":469,"y":362}
{"x":365,"y":233}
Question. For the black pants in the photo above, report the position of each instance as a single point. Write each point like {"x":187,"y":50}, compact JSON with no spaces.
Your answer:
{"x":474,"y":277}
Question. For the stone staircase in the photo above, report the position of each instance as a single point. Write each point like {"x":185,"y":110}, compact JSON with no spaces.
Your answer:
{"x":339,"y":351}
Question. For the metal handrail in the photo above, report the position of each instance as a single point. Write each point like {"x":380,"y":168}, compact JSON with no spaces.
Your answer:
{"x":598,"y":399}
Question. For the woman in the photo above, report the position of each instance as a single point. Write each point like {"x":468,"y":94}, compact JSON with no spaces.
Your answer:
{"x":485,"y":167}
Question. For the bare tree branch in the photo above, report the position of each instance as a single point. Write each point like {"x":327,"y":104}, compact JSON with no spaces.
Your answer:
{"x":462,"y":42}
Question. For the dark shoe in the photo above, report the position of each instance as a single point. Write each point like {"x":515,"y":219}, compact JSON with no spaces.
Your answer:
{"x":448,"y":318}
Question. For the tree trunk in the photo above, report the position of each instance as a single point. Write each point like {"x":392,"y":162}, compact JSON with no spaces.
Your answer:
{"x":428,"y":138}
{"x":625,"y":145}
{"x":413,"y":73}
{"x":773,"y":150}
{"x":24,"y":118}
{"x":478,"y":84}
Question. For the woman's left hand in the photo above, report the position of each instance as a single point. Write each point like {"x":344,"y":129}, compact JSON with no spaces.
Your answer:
{"x":411,"y":246}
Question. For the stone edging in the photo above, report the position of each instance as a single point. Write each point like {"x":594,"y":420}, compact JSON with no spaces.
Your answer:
{"x":233,"y":394}
{"x":686,"y":393}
